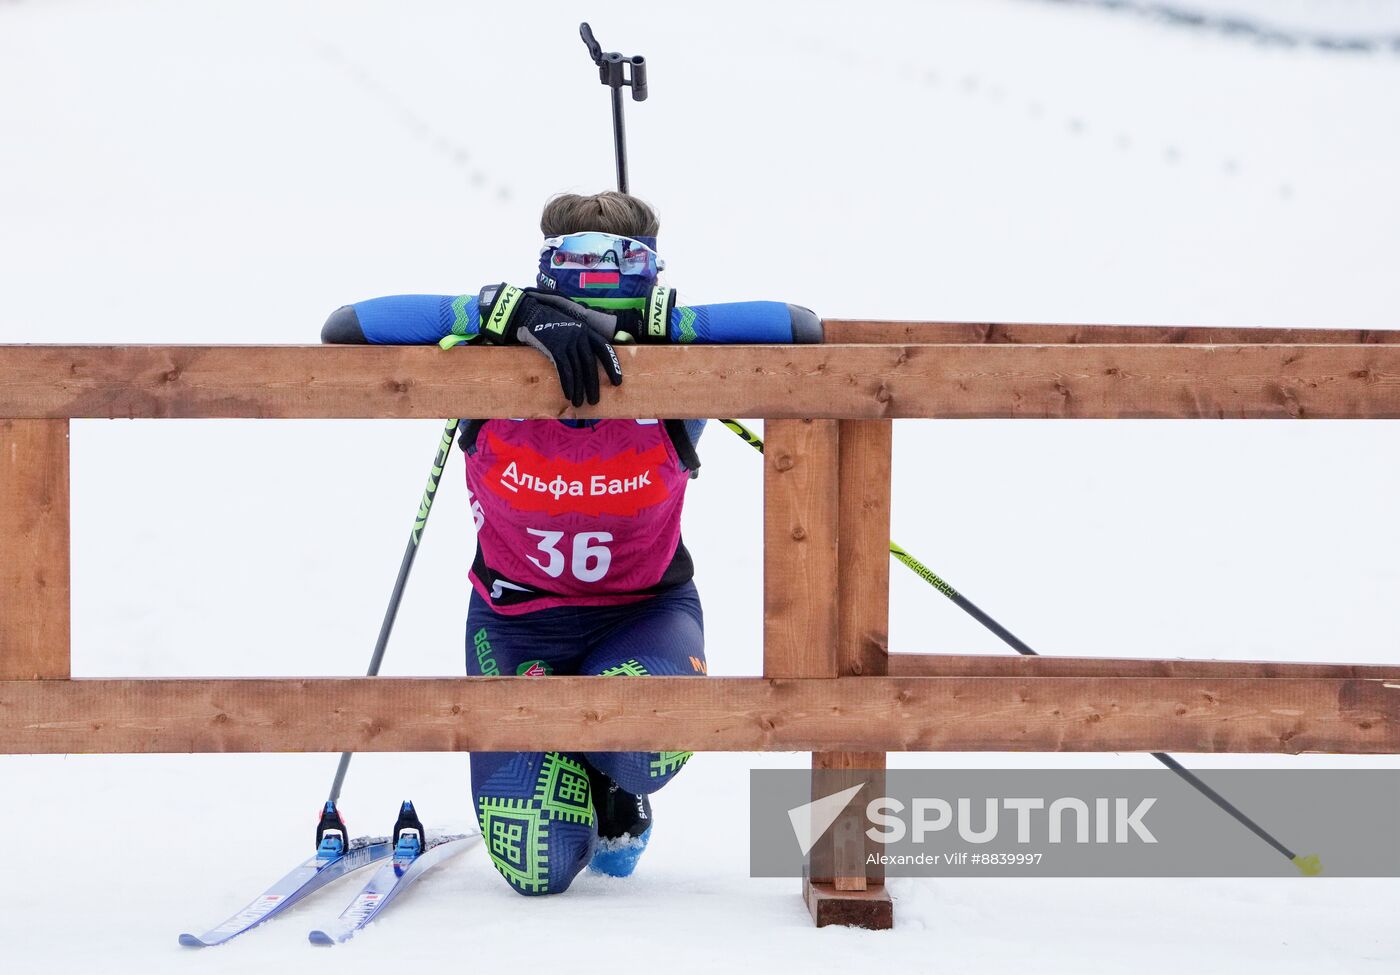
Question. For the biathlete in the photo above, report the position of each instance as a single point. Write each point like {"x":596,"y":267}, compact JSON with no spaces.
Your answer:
{"x":580,"y":568}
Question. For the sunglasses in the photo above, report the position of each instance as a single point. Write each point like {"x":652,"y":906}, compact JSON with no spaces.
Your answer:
{"x":594,"y":251}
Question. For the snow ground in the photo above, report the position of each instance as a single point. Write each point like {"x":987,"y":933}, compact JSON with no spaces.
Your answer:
{"x":231,"y":172}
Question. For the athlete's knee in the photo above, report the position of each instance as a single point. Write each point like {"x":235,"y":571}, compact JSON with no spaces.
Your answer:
{"x":538,"y":873}
{"x":538,"y":828}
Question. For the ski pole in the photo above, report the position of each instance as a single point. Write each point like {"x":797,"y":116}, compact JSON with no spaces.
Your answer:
{"x":611,"y":73}
{"x":425,"y":506}
{"x":1309,"y":866}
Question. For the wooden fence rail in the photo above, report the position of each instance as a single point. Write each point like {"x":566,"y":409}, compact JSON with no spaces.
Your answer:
{"x":414,"y":714}
{"x":954,"y":381}
{"x":829,"y":684}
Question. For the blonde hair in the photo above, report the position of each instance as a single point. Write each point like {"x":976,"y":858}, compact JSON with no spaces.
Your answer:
{"x":609,"y":212}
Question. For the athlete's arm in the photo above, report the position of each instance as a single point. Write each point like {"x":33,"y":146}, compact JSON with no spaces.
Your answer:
{"x":403,"y":320}
{"x":745,"y":321}
{"x":426,"y":319}
{"x":663,"y":322}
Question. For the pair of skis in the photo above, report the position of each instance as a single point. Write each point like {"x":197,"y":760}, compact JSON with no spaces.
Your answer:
{"x":409,"y":849}
{"x":410,"y":852}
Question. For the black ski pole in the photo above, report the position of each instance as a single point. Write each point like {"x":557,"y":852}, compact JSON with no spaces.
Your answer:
{"x":425,"y":506}
{"x":1309,"y":866}
{"x":618,"y":71}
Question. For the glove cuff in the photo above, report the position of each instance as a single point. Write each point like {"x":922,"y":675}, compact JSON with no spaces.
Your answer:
{"x":498,"y":303}
{"x":656,"y":320}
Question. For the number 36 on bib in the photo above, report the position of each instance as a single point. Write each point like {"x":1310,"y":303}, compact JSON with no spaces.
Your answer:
{"x":589,"y":560}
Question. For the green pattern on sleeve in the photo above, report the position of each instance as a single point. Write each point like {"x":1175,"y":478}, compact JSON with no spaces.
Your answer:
{"x":460,"y":318}
{"x":687,"y":324}
{"x":466,"y":322}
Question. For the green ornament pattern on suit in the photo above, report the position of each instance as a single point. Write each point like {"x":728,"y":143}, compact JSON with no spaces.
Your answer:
{"x":517,"y":830}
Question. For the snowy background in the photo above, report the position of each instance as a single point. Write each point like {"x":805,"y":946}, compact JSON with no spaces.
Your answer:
{"x":231,"y":172}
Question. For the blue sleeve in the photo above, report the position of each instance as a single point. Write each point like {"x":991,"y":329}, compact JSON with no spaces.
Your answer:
{"x":417,"y":319}
{"x":745,"y":321}
{"x":426,"y":319}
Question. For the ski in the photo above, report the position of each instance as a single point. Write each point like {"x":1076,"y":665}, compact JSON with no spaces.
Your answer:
{"x":334,"y":859}
{"x":414,"y":855}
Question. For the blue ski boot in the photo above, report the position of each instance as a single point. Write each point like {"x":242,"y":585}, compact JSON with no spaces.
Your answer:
{"x":624,"y":826}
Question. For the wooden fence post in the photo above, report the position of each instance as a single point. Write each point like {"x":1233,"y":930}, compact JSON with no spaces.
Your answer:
{"x":826,"y":614}
{"x":852,"y":892}
{"x":799,"y":548}
{"x":34,"y":578}
{"x":801,"y":572}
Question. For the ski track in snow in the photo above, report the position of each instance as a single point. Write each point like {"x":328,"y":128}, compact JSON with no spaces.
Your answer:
{"x":1340,"y":26}
{"x":229,"y":172}
{"x":421,"y":128}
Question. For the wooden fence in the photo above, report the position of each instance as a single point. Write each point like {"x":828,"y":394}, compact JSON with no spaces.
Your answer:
{"x":828,"y":685}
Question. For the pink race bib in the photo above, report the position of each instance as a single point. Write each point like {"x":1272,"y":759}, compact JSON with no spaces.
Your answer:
{"x":584,"y":516}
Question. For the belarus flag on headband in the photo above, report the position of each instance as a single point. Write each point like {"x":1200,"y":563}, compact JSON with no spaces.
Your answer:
{"x":599,"y":279}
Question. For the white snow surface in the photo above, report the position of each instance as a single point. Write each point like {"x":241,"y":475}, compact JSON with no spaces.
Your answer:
{"x":231,"y":172}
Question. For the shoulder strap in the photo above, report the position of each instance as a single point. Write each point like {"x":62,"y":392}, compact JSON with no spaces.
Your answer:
{"x":471,"y":429}
{"x":685,"y":449}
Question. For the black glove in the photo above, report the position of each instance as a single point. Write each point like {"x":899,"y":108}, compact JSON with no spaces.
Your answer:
{"x":570,"y":335}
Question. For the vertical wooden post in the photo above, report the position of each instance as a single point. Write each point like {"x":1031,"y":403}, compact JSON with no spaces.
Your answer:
{"x":852,"y":892}
{"x":864,"y":474}
{"x":34,"y":578}
{"x":799,"y":548}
